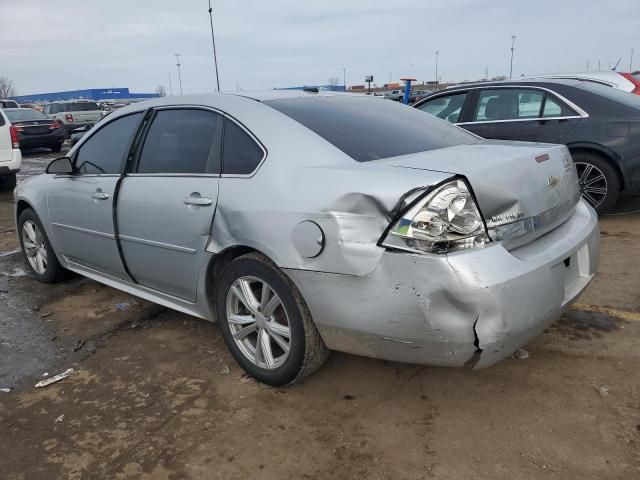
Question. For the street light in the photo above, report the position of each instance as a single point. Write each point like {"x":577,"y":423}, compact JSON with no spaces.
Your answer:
{"x":344,"y":78}
{"x":179,"y":75}
{"x":437,"y":55}
{"x":213,"y":41}
{"x":631,"y":61}
{"x":170,"y":86}
{"x":513,"y":42}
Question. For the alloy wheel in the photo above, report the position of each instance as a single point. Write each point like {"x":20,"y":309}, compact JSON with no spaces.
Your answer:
{"x":593,"y":183}
{"x":34,"y":247}
{"x":258,"y":322}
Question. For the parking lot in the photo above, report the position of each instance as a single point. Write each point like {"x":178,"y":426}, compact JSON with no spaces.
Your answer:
{"x":155,"y":394}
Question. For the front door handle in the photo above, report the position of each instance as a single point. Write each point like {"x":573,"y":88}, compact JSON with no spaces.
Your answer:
{"x":196,"y":199}
{"x":99,"y":195}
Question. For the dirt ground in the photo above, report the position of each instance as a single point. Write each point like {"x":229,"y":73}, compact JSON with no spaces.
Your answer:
{"x":156,"y":395}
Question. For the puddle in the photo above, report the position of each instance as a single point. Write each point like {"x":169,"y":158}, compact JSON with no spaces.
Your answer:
{"x":583,"y":321}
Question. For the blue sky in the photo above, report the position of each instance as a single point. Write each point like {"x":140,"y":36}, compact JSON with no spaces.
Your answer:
{"x":69,"y":44}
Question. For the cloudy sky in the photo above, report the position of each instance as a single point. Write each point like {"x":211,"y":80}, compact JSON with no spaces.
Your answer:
{"x":69,"y":44}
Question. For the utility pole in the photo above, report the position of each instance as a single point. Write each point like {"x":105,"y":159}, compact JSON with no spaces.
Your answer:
{"x":587,"y":65}
{"x":437,"y":56}
{"x":486,"y":72}
{"x":599,"y":65}
{"x":344,"y":78}
{"x":179,"y":75}
{"x":170,"y":86}
{"x":213,"y":41}
{"x":513,"y":42}
{"x":631,"y":61}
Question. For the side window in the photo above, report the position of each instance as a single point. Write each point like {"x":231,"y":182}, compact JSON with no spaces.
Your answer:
{"x":447,"y":108}
{"x":105,"y":152}
{"x":508,"y":104}
{"x":182,"y":141}
{"x":241,"y":154}
{"x":553,"y":108}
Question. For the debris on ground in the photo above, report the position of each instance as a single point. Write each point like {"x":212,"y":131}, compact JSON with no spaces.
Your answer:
{"x":123,"y":306}
{"x":5,"y":390}
{"x":59,"y":419}
{"x":79,"y":344}
{"x":225,"y":370}
{"x":521,"y":354}
{"x":603,"y":390}
{"x":55,"y":378}
{"x":44,"y":315}
{"x":245,"y":378}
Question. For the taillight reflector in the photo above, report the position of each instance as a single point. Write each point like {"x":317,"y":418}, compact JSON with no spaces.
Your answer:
{"x":69,"y":117}
{"x":15,"y":141}
{"x":54,"y":125}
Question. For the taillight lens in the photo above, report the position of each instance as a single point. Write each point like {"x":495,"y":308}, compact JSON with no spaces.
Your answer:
{"x":632,"y":79}
{"x":69,"y":117}
{"x":54,"y":126}
{"x":13,"y":131}
{"x":444,"y":220}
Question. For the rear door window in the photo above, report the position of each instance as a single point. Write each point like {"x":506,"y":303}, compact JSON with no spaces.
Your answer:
{"x":105,"y":152}
{"x":508,"y":104}
{"x":82,"y":107}
{"x":448,"y":108}
{"x":241,"y":154}
{"x":182,"y":141}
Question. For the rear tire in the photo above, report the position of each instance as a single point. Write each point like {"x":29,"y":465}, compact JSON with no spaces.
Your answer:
{"x":8,"y":182}
{"x":283,"y":344}
{"x":37,"y":250}
{"x":57,"y":147}
{"x":599,"y":181}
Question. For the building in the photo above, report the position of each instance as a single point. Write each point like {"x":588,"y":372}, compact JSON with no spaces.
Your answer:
{"x":87,"y":94}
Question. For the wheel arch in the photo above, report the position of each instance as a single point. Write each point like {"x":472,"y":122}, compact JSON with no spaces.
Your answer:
{"x":602,"y":152}
{"x":21,"y":206}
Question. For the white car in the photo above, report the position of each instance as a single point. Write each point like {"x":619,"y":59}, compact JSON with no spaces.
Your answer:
{"x":10,"y":155}
{"x":72,"y":114}
{"x":629,"y":82}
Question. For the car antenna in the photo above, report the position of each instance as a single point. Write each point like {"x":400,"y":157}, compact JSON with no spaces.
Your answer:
{"x":616,"y":65}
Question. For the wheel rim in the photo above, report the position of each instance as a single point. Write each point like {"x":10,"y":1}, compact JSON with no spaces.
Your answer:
{"x":258,"y":322}
{"x":593,"y":183}
{"x":34,"y":247}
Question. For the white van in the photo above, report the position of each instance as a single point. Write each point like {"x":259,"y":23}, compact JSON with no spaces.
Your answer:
{"x":10,"y":155}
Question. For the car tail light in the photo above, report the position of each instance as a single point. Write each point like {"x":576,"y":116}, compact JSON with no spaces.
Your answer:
{"x":54,"y":126}
{"x":632,"y":78}
{"x":13,"y":131}
{"x":441,"y":220}
{"x":69,"y":117}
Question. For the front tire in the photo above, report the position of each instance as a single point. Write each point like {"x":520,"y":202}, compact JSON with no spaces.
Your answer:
{"x":8,"y":182}
{"x":265,"y":322}
{"x":37,"y":249}
{"x":599,"y":181}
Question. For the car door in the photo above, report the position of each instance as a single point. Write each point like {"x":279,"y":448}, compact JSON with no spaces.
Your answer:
{"x":6,"y":143}
{"x":81,"y":205}
{"x":166,"y":204}
{"x":517,"y":113}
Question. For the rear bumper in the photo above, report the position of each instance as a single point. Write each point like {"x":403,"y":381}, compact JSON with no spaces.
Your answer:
{"x":13,"y":165}
{"x":44,"y":140}
{"x":442,"y":310}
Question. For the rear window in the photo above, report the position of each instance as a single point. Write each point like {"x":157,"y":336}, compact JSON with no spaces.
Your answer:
{"x":24,"y":114}
{"x":615,"y":94}
{"x":369,"y":129}
{"x":8,"y":104}
{"x":80,"y":107}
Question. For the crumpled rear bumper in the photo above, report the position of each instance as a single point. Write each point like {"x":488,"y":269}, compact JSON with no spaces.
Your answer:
{"x":442,"y":310}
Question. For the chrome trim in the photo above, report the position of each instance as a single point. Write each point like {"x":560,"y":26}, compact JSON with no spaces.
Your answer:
{"x":85,"y":230}
{"x":537,"y":119}
{"x":210,"y":175}
{"x":531,"y":224}
{"x":166,"y":246}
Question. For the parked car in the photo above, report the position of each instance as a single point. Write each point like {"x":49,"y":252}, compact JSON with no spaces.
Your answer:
{"x":34,"y":129}
{"x":33,"y":106}
{"x":599,"y":124}
{"x":73,"y":113}
{"x":304,"y":222}
{"x":420,"y":94}
{"x":395,"y":95}
{"x":4,"y":103}
{"x":10,"y":154}
{"x":628,"y":82}
{"x":77,"y":133}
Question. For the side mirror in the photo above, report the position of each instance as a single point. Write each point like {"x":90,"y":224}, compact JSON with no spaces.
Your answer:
{"x":60,"y":166}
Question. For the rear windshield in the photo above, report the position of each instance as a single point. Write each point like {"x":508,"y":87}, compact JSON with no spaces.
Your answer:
{"x":24,"y":114}
{"x":369,"y":129}
{"x":8,"y":104}
{"x":615,"y":94}
{"x":80,"y":107}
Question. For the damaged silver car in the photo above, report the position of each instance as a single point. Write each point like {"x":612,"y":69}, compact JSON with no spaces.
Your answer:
{"x":306,"y":222}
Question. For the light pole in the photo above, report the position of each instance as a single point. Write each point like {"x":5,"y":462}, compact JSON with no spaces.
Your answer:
{"x":631,"y":61}
{"x":437,"y":55}
{"x":213,"y":41}
{"x":179,"y":75}
{"x":513,"y":42}
{"x":344,"y":78}
{"x":170,"y":86}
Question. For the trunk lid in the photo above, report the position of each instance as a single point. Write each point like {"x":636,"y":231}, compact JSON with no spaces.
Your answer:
{"x":34,"y":127}
{"x":512,"y":181}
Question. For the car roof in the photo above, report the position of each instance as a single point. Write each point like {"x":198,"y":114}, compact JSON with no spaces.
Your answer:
{"x":266,"y":95}
{"x":517,"y":82}
{"x":79,"y":100}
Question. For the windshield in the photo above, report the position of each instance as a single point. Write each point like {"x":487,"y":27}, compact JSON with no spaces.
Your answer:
{"x":370,"y":129}
{"x":80,"y":107}
{"x":24,"y":114}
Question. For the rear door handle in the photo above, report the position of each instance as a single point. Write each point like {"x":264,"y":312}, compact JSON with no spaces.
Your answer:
{"x":99,"y":195}
{"x":196,"y":199}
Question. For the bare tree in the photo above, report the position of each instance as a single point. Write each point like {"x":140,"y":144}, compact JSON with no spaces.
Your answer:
{"x":161,"y":90}
{"x":6,"y":88}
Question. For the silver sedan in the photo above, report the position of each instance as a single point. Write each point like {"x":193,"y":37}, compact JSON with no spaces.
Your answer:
{"x":306,"y":222}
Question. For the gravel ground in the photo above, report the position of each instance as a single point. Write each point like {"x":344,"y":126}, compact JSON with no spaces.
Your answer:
{"x":156,"y":395}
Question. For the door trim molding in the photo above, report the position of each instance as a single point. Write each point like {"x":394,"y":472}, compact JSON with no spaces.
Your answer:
{"x":84,"y":230}
{"x":166,"y":246}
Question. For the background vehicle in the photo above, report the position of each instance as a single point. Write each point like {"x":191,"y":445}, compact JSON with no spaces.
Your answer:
{"x":73,"y":113}
{"x":77,"y":133}
{"x":10,"y":155}
{"x":599,"y":124}
{"x":4,"y":103}
{"x":33,"y":106}
{"x":34,"y":129}
{"x":306,"y":221}
{"x":395,"y":95}
{"x":628,"y":82}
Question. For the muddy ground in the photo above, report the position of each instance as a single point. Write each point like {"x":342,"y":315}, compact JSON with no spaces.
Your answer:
{"x":156,"y":395}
